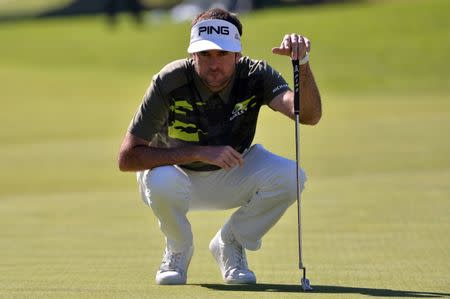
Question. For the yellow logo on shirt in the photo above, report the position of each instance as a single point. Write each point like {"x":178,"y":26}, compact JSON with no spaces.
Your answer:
{"x":241,"y":107}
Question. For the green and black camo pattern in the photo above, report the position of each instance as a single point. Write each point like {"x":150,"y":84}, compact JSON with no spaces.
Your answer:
{"x":213,"y":121}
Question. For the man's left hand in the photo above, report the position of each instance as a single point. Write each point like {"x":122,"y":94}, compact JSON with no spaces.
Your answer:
{"x":293,"y":45}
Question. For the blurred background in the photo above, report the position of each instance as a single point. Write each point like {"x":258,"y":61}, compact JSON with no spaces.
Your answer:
{"x":13,"y":9}
{"x":72,"y":74}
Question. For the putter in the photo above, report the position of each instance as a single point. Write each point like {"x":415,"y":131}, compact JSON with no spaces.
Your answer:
{"x":295,"y":64}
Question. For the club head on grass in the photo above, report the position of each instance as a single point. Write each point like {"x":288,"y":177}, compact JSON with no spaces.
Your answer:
{"x":306,"y":286}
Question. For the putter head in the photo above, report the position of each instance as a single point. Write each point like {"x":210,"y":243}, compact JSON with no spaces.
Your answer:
{"x":306,"y":286}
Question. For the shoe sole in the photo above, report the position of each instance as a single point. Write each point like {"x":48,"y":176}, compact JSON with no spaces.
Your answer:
{"x":171,"y":281}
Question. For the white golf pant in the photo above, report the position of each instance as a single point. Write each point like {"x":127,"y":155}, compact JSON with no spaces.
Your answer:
{"x":263,"y":188}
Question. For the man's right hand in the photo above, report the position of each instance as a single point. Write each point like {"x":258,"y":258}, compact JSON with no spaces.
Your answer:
{"x":223,"y":156}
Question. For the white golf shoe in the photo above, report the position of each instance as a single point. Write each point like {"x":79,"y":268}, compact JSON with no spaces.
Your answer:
{"x":174,"y":266}
{"x":230,"y":256}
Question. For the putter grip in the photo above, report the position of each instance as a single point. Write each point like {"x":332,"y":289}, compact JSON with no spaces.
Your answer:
{"x":296,"y":68}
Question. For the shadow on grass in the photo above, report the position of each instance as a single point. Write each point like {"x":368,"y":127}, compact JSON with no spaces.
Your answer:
{"x":324,"y":289}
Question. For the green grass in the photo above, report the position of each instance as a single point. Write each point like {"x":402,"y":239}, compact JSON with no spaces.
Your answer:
{"x":10,"y":7}
{"x":377,"y":201}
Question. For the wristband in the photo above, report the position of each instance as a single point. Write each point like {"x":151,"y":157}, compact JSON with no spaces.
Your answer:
{"x":304,"y":60}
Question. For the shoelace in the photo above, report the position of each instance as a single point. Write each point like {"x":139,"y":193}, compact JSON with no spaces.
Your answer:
{"x":239,"y":257}
{"x":172,"y":262}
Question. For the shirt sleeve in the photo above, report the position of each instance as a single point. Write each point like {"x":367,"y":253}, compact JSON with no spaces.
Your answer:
{"x":274,"y":84}
{"x":152,"y":114}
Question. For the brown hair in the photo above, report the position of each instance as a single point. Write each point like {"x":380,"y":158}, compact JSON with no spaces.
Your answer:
{"x":220,"y":14}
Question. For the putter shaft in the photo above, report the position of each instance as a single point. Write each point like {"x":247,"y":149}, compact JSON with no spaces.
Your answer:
{"x":296,"y":67}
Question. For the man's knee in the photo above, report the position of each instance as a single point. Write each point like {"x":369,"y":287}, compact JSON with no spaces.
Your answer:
{"x":165,"y":185}
{"x":287,"y":180}
{"x":279,"y":177}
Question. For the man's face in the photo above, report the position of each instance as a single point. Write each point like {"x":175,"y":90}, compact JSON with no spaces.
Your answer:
{"x":215,"y":67}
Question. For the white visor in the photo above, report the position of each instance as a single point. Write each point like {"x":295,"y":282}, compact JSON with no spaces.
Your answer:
{"x":214,"y":34}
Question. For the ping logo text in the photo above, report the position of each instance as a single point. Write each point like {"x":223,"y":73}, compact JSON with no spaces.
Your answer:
{"x":224,"y":30}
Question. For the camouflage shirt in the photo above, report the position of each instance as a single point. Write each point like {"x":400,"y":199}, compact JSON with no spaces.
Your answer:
{"x":179,"y":109}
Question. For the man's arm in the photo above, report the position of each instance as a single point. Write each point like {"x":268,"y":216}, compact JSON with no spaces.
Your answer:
{"x":297,"y":46}
{"x":136,"y":155}
{"x":310,"y":102}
